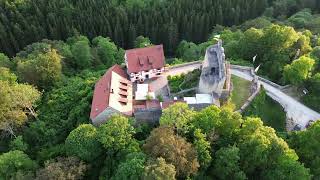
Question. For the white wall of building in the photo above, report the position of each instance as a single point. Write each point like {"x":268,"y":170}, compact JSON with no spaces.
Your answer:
{"x":143,"y":75}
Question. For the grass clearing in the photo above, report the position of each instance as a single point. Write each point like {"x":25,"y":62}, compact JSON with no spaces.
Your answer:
{"x":241,"y":91}
{"x":184,"y":81}
{"x":270,"y":111}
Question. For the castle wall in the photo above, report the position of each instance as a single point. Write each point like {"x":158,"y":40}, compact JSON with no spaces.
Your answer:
{"x":213,"y":75}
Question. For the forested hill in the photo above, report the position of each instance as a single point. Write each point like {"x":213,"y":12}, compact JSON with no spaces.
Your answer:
{"x":165,"y":21}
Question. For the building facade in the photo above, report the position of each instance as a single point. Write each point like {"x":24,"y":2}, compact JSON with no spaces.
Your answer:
{"x":112,"y":95}
{"x":145,"y":63}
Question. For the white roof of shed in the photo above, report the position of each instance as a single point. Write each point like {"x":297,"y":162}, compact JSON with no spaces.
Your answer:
{"x":143,"y":91}
{"x":199,"y":99}
{"x":190,"y":100}
{"x":204,"y":99}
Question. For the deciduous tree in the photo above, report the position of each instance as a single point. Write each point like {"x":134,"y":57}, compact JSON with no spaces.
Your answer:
{"x":217,"y":122}
{"x":299,"y":70}
{"x":158,"y":169}
{"x":64,"y":168}
{"x":42,"y":70}
{"x":227,"y":164}
{"x":179,"y":116}
{"x":83,"y":143}
{"x":306,"y":144}
{"x":174,"y":149}
{"x":141,"y":42}
{"x":6,"y":75}
{"x":263,"y":154}
{"x":18,"y":144}
{"x":203,"y":149}
{"x":67,"y":106}
{"x":5,"y":61}
{"x":132,"y":168}
{"x":106,"y":50}
{"x":82,"y":55}
{"x":15,"y":164}
{"x":188,"y":51}
{"x":116,"y":134}
{"x":17,"y":101}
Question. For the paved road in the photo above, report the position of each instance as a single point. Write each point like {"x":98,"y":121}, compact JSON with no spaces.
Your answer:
{"x":296,"y":111}
{"x":182,"y":69}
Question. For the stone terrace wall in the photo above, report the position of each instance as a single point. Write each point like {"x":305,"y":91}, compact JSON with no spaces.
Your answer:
{"x":255,"y":83}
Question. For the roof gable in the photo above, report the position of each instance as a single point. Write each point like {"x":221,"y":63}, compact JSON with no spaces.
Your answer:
{"x":144,"y":59}
{"x":102,"y":91}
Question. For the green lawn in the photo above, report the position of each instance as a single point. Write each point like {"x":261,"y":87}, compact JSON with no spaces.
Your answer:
{"x":241,"y":91}
{"x":184,"y":81}
{"x":269,"y":111}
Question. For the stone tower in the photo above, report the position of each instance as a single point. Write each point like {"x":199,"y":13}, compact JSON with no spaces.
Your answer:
{"x":213,"y":74}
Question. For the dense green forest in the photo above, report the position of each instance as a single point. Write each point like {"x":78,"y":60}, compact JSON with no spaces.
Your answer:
{"x":55,"y":51}
{"x":165,"y":21}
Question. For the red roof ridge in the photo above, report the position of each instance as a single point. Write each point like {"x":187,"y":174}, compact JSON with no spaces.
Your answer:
{"x":100,"y":100}
{"x":145,"y":59}
{"x":148,"y":47}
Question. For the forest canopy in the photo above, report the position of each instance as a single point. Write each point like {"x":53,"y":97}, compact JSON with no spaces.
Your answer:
{"x":164,"y":21}
{"x":53,"y":53}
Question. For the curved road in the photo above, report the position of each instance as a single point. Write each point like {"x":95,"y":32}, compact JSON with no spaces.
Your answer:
{"x":298,"y":113}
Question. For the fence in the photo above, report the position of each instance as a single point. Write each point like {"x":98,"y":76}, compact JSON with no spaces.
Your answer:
{"x":251,"y":70}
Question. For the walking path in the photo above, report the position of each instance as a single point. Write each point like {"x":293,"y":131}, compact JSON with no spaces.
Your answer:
{"x":297,"y":113}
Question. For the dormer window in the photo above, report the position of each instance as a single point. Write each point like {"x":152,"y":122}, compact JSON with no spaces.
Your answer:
{"x":123,"y":84}
{"x":150,"y":61}
{"x":123,"y":89}
{"x":141,"y":62}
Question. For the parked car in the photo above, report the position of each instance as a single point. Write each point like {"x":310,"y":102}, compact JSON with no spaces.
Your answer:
{"x":297,"y":127}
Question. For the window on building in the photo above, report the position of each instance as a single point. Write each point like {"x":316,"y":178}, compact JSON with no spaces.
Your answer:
{"x":123,"y":96}
{"x":124,"y":84}
{"x":123,"y":89}
{"x":123,"y":103}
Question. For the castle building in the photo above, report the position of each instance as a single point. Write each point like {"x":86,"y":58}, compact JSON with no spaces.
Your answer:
{"x":216,"y":74}
{"x":145,"y":63}
{"x":112,"y":95}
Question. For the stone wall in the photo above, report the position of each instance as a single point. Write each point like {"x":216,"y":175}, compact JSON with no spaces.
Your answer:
{"x":255,"y":89}
{"x":149,"y":116}
{"x":104,"y":116}
{"x":226,"y":91}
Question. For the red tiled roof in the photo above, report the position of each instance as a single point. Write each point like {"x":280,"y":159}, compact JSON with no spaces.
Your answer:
{"x":153,"y":104}
{"x":144,"y":59}
{"x":101,"y":93}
